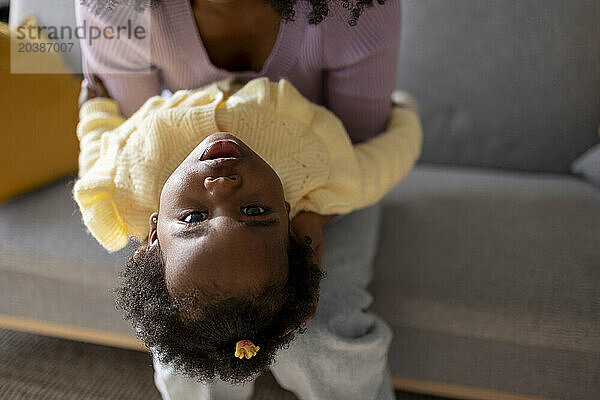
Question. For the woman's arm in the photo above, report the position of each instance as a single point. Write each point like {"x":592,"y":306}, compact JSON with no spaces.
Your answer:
{"x":363,"y":64}
{"x":124,"y":65}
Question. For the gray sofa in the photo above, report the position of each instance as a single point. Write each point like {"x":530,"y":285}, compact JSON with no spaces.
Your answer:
{"x":488,"y":264}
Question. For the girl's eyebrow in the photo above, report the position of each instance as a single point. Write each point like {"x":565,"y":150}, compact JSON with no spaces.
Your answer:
{"x":204,"y":229}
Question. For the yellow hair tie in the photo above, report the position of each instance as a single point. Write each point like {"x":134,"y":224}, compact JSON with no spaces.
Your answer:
{"x":245,"y":348}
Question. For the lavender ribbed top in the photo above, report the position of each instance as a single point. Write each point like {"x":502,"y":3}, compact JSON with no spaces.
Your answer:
{"x":349,"y":70}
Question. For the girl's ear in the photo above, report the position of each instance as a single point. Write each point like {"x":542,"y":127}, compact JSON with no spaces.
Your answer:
{"x":152,"y":234}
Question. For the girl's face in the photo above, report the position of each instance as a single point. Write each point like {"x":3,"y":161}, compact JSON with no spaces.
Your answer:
{"x":222,"y":221}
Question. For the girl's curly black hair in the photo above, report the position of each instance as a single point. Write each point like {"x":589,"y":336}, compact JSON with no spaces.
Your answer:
{"x":197,"y":333}
{"x":285,"y":8}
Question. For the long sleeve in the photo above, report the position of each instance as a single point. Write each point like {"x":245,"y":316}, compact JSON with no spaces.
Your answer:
{"x":362,"y":69}
{"x":124,"y":65}
{"x":96,"y":117}
{"x":387,"y":158}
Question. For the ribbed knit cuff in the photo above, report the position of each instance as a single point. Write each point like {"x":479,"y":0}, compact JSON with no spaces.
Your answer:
{"x":100,"y":213}
{"x":98,"y":104}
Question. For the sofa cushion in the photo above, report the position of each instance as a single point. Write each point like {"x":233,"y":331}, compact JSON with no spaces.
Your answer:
{"x":50,"y":268}
{"x":504,"y":83}
{"x":491,"y":279}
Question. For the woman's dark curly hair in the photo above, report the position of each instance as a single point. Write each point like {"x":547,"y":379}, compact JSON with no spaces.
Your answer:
{"x":285,"y":8}
{"x":197,"y":333}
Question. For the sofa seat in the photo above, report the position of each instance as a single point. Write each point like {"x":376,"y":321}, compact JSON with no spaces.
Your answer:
{"x":489,"y":279}
{"x":492,"y":279}
{"x":51,"y":269}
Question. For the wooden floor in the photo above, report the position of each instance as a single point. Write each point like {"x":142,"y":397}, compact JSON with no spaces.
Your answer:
{"x":35,"y":367}
{"x":406,"y":387}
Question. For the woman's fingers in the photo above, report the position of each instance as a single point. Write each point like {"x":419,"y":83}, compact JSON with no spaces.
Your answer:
{"x":86,"y":93}
{"x":100,"y":88}
{"x":90,"y":90}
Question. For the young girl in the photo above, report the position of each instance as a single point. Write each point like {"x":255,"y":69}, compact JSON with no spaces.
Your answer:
{"x":227,"y":270}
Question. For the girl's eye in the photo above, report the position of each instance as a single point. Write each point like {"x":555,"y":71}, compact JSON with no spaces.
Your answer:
{"x":195,"y":217}
{"x":252,"y":211}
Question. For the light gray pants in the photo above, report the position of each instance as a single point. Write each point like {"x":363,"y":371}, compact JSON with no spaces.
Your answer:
{"x":343,"y":354}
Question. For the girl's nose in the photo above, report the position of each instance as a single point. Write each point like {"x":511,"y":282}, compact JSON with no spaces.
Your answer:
{"x":222,"y":183}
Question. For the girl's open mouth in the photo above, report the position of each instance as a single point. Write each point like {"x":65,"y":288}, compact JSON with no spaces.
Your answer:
{"x":221,"y":149}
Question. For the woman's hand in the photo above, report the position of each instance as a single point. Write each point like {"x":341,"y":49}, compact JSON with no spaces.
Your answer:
{"x":89,"y":92}
{"x":311,"y":224}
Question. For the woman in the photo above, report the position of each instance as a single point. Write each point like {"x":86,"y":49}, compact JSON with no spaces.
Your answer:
{"x":349,"y":69}
{"x":337,"y":54}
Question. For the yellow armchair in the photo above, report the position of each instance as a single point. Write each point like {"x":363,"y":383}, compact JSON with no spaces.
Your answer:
{"x":38,"y":143}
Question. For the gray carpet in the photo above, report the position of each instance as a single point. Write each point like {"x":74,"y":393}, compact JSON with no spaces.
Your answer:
{"x":41,"y":368}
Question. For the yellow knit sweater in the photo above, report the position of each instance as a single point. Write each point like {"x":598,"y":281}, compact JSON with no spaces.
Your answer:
{"x":123,"y":164}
